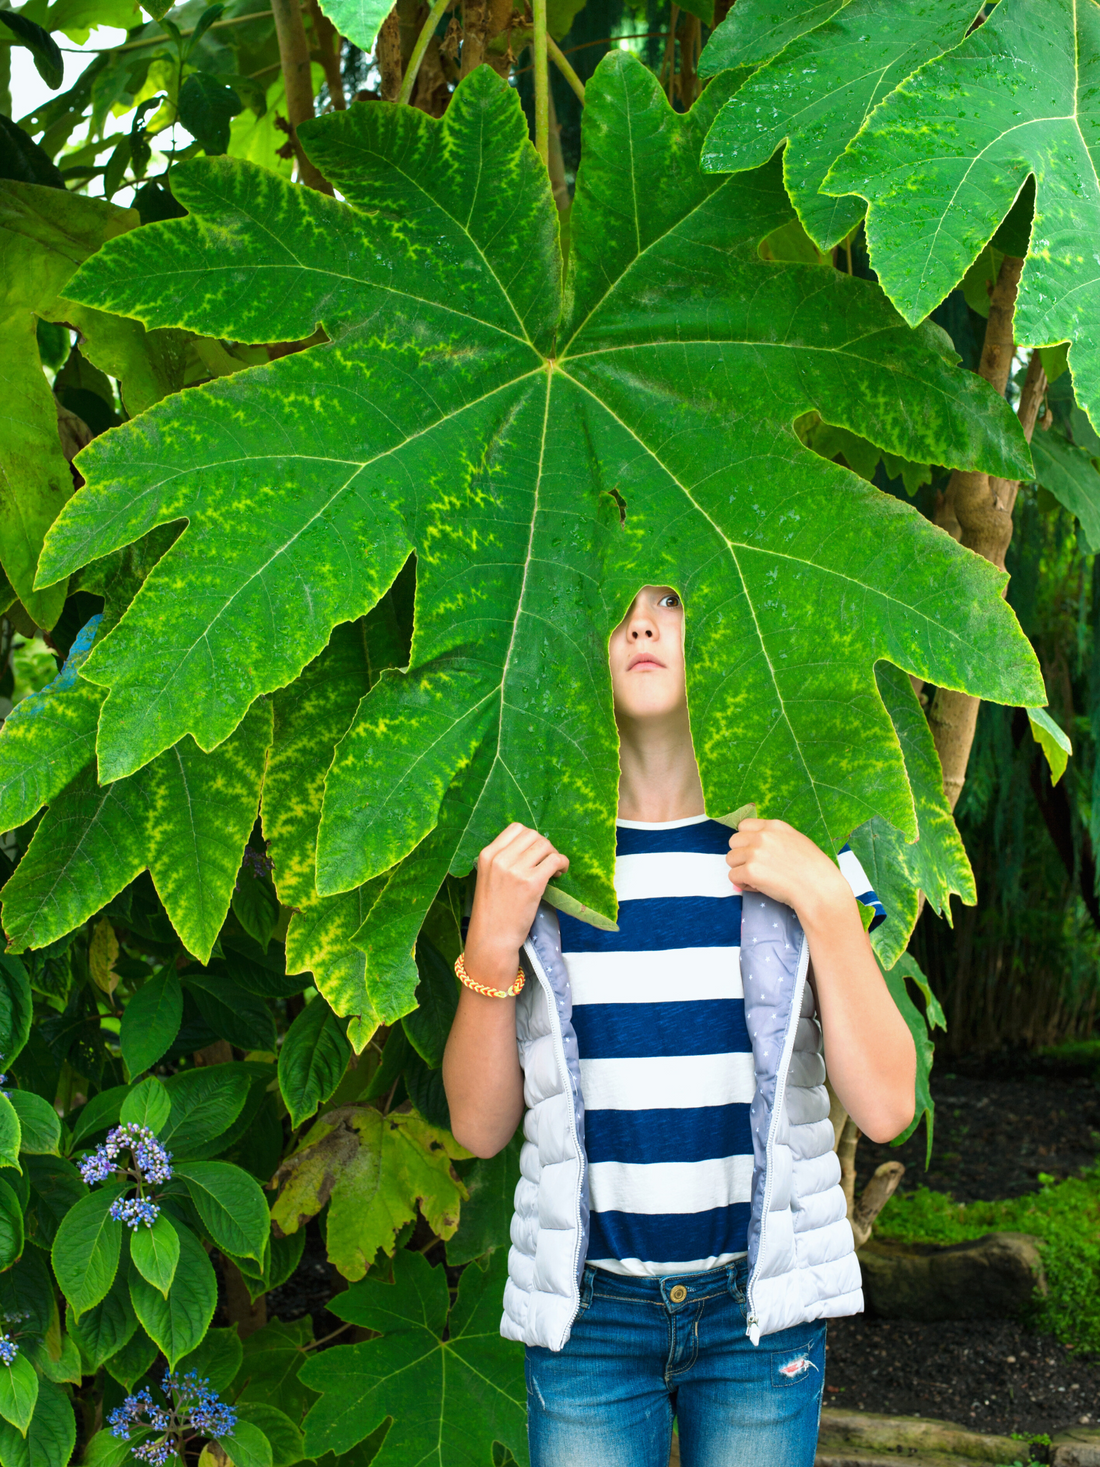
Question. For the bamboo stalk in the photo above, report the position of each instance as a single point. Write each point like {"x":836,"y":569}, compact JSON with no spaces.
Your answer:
{"x":542,"y":83}
{"x":557,"y":56}
{"x":423,"y":40}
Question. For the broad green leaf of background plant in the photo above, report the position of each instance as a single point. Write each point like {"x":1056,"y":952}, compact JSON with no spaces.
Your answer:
{"x":460,"y":439}
{"x":147,"y":1104}
{"x":312,"y":1060}
{"x":449,"y":1399}
{"x":359,"y":20}
{"x":272,"y":1358}
{"x":86,"y":1250}
{"x":230,"y":1206}
{"x":50,"y":1436}
{"x":177,"y":1323}
{"x":944,"y":156}
{"x":1070,"y":474}
{"x":185,"y":817}
{"x":1054,"y":743}
{"x":374,"y":1171}
{"x":39,"y":1124}
{"x":106,"y":1328}
{"x":155,"y":1253}
{"x":487,"y":1212}
{"x":817,"y":93}
{"x":756,"y":30}
{"x":936,"y":863}
{"x":18,"y":1392}
{"x":11,"y":1228}
{"x":11,"y":1134}
{"x":16,"y":1008}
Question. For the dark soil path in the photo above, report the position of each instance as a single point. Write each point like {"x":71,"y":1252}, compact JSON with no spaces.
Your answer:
{"x":999,"y":1123}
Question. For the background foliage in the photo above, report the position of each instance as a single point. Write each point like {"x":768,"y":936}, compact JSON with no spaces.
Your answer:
{"x":383,"y":415}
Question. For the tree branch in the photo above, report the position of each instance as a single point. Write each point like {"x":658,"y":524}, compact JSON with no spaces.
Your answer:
{"x":294,"y":57}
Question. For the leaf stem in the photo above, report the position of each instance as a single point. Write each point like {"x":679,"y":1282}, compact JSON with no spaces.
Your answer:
{"x":542,"y":82}
{"x":558,"y":57}
{"x":404,"y":96}
{"x":316,"y":1344}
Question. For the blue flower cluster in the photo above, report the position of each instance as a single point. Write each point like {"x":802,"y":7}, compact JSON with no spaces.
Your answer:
{"x":150,"y":1164}
{"x":134,"y":1211}
{"x":196,"y":1410}
{"x":8,"y":1349}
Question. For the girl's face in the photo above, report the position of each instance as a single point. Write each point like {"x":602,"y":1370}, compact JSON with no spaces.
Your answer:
{"x":647,"y":656}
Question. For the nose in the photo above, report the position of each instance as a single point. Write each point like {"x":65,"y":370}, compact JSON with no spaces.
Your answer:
{"x":641,"y":625}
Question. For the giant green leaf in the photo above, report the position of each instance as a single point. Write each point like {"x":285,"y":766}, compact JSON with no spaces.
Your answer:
{"x":936,"y":863}
{"x":48,"y":737}
{"x":269,"y":1370}
{"x":311,"y":716}
{"x":44,"y":236}
{"x":374,"y":1171}
{"x":920,"y":1026}
{"x":756,"y":30}
{"x":450,"y":1398}
{"x":817,"y":93}
{"x":943,"y":158}
{"x":50,"y":1436}
{"x":185,"y":817}
{"x":460,"y":410}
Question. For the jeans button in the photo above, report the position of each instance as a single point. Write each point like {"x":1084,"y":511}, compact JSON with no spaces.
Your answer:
{"x":677,"y":1293}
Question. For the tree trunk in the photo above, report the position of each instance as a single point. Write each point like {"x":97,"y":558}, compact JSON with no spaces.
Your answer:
{"x":977,"y":509}
{"x":294,"y":58}
{"x":878,"y":1191}
{"x":328,"y":54}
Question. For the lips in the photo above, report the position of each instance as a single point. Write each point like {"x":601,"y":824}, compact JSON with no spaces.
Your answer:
{"x":646,"y":659}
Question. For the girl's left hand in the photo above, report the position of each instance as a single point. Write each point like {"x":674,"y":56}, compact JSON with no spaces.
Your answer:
{"x":772,"y":857}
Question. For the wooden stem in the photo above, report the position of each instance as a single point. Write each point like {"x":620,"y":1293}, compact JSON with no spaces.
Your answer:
{"x":542,"y":82}
{"x":874,"y":1198}
{"x":423,"y":40}
{"x":557,"y":56}
{"x":558,"y":184}
{"x":977,"y":509}
{"x":328,"y":53}
{"x":294,"y":58}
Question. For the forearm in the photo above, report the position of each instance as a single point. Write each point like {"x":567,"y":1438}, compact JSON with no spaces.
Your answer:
{"x":481,"y":1073}
{"x":869,"y":1051}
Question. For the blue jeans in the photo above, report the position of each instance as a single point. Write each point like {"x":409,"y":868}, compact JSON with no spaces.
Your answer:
{"x":644,"y":1351}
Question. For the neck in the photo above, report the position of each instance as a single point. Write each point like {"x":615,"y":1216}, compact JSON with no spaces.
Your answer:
{"x":659,"y":778}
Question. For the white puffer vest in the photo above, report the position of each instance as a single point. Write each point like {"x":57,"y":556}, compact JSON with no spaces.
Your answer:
{"x":801,"y":1254}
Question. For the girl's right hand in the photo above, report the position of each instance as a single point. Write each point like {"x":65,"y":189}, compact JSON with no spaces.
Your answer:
{"x":512,"y":874}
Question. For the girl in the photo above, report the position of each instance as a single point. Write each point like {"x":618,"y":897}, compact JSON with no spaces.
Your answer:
{"x":680,"y":1233}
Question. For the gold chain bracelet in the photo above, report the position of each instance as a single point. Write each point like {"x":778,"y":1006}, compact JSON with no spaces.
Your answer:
{"x":464,"y":977}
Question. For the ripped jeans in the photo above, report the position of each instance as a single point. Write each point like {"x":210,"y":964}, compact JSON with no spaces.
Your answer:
{"x":646,"y":1350}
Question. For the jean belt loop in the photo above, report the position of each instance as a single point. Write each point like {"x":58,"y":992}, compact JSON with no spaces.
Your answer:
{"x":588,"y":1282}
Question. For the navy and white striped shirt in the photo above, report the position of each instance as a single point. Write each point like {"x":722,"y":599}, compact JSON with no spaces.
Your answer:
{"x":666,"y":1063}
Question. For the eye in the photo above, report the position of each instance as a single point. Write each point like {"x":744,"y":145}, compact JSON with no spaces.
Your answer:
{"x":670,"y":600}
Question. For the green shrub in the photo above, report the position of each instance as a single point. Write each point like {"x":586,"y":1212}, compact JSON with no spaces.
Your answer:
{"x":1065,"y":1215}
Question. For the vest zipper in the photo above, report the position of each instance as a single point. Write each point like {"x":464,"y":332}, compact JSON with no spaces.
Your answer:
{"x":563,"y":1070}
{"x":752,"y":1320}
